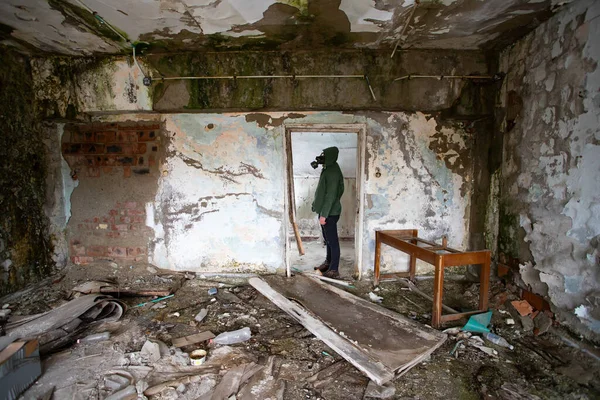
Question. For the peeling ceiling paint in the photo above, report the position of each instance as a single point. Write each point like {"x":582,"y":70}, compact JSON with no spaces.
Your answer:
{"x":77,"y":27}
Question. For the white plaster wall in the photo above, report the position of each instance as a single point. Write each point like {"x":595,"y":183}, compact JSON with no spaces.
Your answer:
{"x":551,"y":169}
{"x":220,"y":202}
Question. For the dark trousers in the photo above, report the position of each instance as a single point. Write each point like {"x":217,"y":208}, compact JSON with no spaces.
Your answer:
{"x":332,"y":241}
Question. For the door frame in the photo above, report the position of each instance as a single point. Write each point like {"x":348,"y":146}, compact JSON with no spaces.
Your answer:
{"x":361,"y":150}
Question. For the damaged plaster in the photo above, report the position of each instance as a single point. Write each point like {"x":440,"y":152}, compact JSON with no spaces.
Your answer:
{"x":551,"y":169}
{"x":74,"y":27}
{"x":219,"y":204}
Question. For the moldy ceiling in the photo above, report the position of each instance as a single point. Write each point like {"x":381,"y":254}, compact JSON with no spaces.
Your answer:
{"x":84,"y":27}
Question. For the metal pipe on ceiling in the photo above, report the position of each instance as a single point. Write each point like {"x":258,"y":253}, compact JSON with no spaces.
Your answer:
{"x":440,"y":77}
{"x":410,"y":17}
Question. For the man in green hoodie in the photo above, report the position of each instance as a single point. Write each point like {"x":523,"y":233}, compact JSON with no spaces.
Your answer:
{"x":327,"y":205}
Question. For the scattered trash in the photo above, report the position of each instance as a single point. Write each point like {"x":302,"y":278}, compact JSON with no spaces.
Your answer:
{"x":375,"y":298}
{"x":4,"y":313}
{"x":510,"y":321}
{"x":232,"y":337}
{"x":19,"y":367}
{"x":201,"y":315}
{"x":180,"y":388}
{"x":478,"y":343}
{"x":97,"y":337}
{"x":117,"y":380}
{"x":150,"y":351}
{"x":478,"y":323}
{"x":498,"y":340}
{"x":452,"y":331}
{"x":151,"y":270}
{"x":175,"y":314}
{"x":126,"y":394}
{"x":458,"y":345}
{"x":212,"y":291}
{"x":193,"y":339}
{"x":197,"y":357}
{"x":158,"y":306}
{"x":155,"y":300}
{"x":326,"y":354}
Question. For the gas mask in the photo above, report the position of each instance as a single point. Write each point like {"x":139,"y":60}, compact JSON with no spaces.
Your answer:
{"x":320,"y":159}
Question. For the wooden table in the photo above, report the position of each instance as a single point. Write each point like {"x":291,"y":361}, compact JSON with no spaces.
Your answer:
{"x":440,"y":256}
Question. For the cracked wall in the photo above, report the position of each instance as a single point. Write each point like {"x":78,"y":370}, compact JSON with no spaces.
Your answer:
{"x":550,"y":185}
{"x":219,"y":203}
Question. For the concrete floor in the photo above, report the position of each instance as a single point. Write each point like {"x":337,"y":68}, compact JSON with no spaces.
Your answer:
{"x":315,"y":252}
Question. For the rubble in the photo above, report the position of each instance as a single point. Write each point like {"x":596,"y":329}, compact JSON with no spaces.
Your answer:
{"x":281,"y":360}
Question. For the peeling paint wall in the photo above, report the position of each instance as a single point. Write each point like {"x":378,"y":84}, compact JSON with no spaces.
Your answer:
{"x":550,"y":185}
{"x":69,"y":87}
{"x":220,"y":198}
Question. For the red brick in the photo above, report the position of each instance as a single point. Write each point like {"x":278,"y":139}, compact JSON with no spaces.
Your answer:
{"x":71,"y":148}
{"x":130,"y":205}
{"x":126,"y":172}
{"x":146,"y":135}
{"x":96,"y":251}
{"x":138,"y":219}
{"x":113,"y":234}
{"x":151,"y":160}
{"x":83,"y":137}
{"x":136,"y":251}
{"x":77,"y":249}
{"x":114,"y":148}
{"x":93,"y":172}
{"x":92,"y":148}
{"x":136,"y":212}
{"x":140,"y":161}
{"x":82,"y":260}
{"x":535,"y":300}
{"x":106,"y":137}
{"x":117,"y":252}
{"x":127,"y":137}
{"x":113,"y":212}
{"x":120,"y":227}
{"x":107,"y":170}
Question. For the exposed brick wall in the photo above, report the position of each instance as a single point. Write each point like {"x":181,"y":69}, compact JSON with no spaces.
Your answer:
{"x":117,"y":168}
{"x":96,"y":149}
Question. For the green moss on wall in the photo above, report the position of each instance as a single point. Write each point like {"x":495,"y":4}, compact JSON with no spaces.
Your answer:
{"x":25,"y":245}
{"x":508,"y":230}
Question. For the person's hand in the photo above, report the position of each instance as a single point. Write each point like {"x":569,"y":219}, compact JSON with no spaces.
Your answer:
{"x":322,"y":220}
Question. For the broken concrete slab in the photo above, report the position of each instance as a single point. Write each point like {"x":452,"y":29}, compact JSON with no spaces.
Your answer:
{"x":542,"y":323}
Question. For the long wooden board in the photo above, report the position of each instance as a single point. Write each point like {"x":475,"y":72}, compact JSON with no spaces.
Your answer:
{"x":397,"y":342}
{"x":371,"y":367}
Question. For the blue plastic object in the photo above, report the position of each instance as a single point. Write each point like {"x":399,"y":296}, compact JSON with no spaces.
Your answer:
{"x":478,"y":323}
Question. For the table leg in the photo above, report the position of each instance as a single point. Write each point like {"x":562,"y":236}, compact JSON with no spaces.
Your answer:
{"x":377,"y":258}
{"x":438,"y":292}
{"x":484,"y":284}
{"x":413,"y":264}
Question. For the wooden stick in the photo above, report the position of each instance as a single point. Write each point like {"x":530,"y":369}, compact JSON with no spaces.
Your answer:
{"x":413,"y":288}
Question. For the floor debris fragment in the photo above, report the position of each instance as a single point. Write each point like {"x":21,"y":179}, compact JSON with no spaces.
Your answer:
{"x":290,"y":362}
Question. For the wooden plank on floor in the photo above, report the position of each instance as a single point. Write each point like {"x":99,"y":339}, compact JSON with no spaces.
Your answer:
{"x":371,"y":367}
{"x":397,"y":342}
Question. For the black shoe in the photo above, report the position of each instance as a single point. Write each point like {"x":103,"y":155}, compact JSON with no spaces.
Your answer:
{"x":323,"y":267}
{"x":333,"y":274}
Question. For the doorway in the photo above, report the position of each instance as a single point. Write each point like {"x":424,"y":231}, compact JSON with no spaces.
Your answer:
{"x":303,"y":232}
